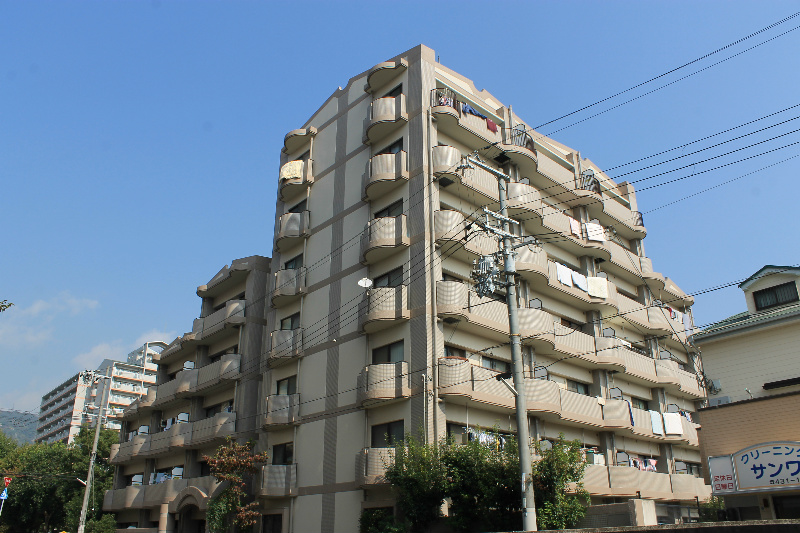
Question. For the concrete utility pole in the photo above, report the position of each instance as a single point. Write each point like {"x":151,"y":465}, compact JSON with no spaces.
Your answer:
{"x":98,"y":426}
{"x":509,"y":268}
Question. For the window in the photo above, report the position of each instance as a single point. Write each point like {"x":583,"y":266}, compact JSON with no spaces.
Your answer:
{"x":299,"y":208}
{"x":391,"y":211}
{"x":393,"y":148}
{"x":224,"y":407}
{"x":291,"y":322}
{"x":495,"y":364}
{"x":294,"y":263}
{"x":287,"y":385}
{"x":391,"y":353}
{"x":283,"y":454}
{"x":386,"y":435}
{"x":682,"y":467}
{"x":572,"y":325}
{"x":163,"y":474}
{"x":393,"y":278}
{"x":638,"y":403}
{"x":135,"y":480}
{"x":397,"y":91}
{"x":774,"y":296}
{"x":272,"y":523}
{"x":452,"y":351}
{"x":577,"y":386}
{"x":450,"y":277}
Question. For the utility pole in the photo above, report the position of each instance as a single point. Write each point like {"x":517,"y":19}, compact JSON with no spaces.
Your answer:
{"x":485,"y":271}
{"x":98,"y":426}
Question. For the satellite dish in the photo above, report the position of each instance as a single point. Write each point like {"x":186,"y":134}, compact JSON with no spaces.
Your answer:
{"x":365,"y":283}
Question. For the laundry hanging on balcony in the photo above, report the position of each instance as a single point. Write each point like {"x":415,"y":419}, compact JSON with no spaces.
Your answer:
{"x":597,"y":287}
{"x":574,"y":227}
{"x":672,"y":424}
{"x":579,"y":280}
{"x":657,"y":422}
{"x":466,"y":108}
{"x":564,"y":274}
{"x":595,"y":232}
{"x":491,"y":125}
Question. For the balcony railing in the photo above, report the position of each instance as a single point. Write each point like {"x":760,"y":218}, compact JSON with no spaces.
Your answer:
{"x":371,"y":465}
{"x":282,"y":409}
{"x":290,"y":284}
{"x":386,"y":171}
{"x":293,"y":227}
{"x":386,"y":115}
{"x":382,"y":237}
{"x":286,"y":344}
{"x":232,"y":315}
{"x":295,"y":177}
{"x":278,"y":481}
{"x":383,"y":307}
{"x":384,"y":381}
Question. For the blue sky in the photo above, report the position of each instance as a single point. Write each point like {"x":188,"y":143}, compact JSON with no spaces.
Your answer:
{"x":139,"y":141}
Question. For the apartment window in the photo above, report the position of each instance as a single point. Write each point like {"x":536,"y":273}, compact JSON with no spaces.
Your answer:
{"x":291,"y":322}
{"x":393,"y":210}
{"x":224,"y":407}
{"x":572,"y":325}
{"x":397,"y":91}
{"x":495,"y":364}
{"x":391,"y":353}
{"x":298,"y":208}
{"x":283,"y":454}
{"x":450,"y":277}
{"x":135,"y":480}
{"x":205,"y":469}
{"x":393,"y":278}
{"x":386,"y":435}
{"x":393,"y":148}
{"x":682,"y":467}
{"x":577,"y":386}
{"x":272,"y":523}
{"x":452,"y":351}
{"x":165,"y":474}
{"x":294,"y":263}
{"x":638,"y":403}
{"x":287,"y":385}
{"x":774,"y":296}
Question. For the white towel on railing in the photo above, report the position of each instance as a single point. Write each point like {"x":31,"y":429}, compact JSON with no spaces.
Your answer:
{"x":579,"y":280}
{"x":656,"y":422}
{"x":564,"y":274}
{"x":595,"y":232}
{"x":597,"y":287}
{"x":575,"y":227}
{"x":672,"y":424}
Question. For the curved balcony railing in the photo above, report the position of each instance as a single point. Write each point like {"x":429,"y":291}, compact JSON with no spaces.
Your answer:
{"x":295,"y":177}
{"x":382,"y":382}
{"x":382,"y":73}
{"x":384,"y":307}
{"x":298,"y":139}
{"x":286,"y":344}
{"x":371,"y":465}
{"x":290,"y":284}
{"x":282,"y":409}
{"x":387,"y":114}
{"x":293,"y":227}
{"x":385,"y":173}
{"x":383,"y":237}
{"x":278,"y":481}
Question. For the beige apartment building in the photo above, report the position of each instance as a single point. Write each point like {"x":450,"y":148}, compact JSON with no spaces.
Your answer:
{"x":751,"y":432}
{"x":207,"y":389}
{"x":374,"y":188}
{"x":365,"y":324}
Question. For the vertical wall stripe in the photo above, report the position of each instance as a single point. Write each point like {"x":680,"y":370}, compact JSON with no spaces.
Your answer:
{"x":334,"y":330}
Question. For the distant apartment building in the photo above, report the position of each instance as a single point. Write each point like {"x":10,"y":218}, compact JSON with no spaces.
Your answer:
{"x":365,"y":324}
{"x":750,"y":435}
{"x":77,"y":400}
{"x":208,"y":388}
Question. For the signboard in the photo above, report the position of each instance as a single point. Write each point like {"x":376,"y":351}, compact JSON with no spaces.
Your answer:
{"x":768,"y":466}
{"x":771,"y":465}
{"x":4,"y":494}
{"x":7,"y":480}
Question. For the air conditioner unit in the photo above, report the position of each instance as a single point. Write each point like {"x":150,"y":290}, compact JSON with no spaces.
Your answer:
{"x":721,"y":400}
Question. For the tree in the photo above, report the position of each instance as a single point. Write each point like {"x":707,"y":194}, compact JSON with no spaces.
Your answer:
{"x":5,"y":304}
{"x":102,"y":481}
{"x":419,"y":477}
{"x":559,"y":466}
{"x":233,"y":463}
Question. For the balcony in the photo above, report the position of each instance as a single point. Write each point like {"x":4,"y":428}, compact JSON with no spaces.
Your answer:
{"x":383,"y":237}
{"x":371,"y":464}
{"x":648,"y":319}
{"x":218,"y":426}
{"x":460,"y":180}
{"x":286,"y":344}
{"x":386,"y":116}
{"x":450,"y":233}
{"x":628,"y":223}
{"x":282,"y":410}
{"x":553,"y":221}
{"x":531,"y":263}
{"x":181,"y":347}
{"x":581,"y":409}
{"x":677,"y":381}
{"x":471,"y":130}
{"x":290,"y":284}
{"x":143,"y":405}
{"x":125,"y":451}
{"x":627,"y":481}
{"x":208,"y":329}
{"x":382,"y":73}
{"x":231,"y":276}
{"x":295,"y":178}
{"x":383,"y":382}
{"x":384,"y":307}
{"x":175,"y":437}
{"x":524,"y":201}
{"x":224,"y":370}
{"x":278,"y":481}
{"x":298,"y":139}
{"x":385,"y":173}
{"x":172,"y":391}
{"x":293,"y":228}
{"x":575,"y":296}
{"x":148,"y":496}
